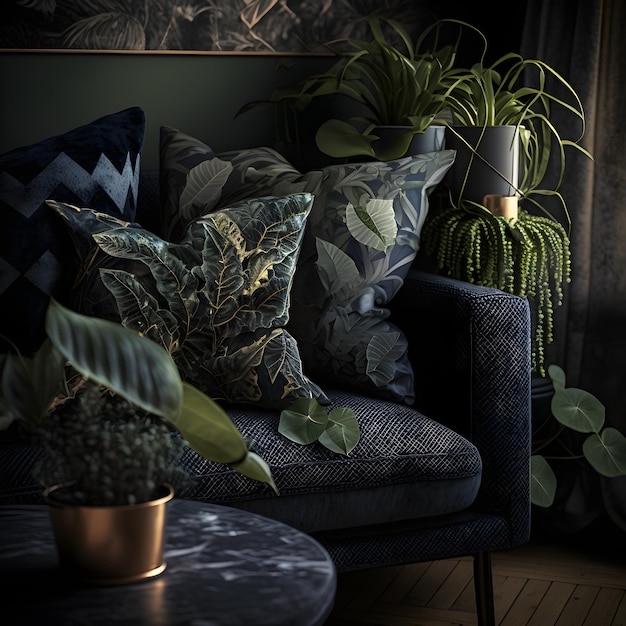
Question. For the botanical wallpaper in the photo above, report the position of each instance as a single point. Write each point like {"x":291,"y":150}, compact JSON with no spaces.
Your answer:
{"x":253,"y":26}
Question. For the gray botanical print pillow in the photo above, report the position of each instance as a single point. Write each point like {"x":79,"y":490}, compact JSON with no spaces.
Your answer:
{"x":361,"y":238}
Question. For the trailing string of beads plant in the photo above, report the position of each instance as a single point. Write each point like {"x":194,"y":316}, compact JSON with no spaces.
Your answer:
{"x":528,"y":257}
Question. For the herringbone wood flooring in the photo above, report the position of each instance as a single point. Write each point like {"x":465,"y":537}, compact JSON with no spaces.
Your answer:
{"x":539,"y":584}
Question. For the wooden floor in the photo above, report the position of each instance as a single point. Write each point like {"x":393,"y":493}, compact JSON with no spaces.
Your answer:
{"x":540,"y":584}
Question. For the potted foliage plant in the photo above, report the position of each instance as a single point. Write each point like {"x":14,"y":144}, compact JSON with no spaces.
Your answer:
{"x":394,"y":95}
{"x":574,"y":431}
{"x":109,"y":408}
{"x":493,"y":226}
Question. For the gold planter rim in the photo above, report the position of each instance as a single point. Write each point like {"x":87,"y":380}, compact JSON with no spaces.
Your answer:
{"x":48,"y":496}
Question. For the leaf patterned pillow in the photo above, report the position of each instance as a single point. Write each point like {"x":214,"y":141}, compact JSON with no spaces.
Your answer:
{"x":361,"y":238}
{"x":218,"y":300}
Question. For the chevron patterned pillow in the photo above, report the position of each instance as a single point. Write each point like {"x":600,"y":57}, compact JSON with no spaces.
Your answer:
{"x":95,"y":165}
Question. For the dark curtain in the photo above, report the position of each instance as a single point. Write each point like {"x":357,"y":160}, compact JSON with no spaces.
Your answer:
{"x":585,"y":40}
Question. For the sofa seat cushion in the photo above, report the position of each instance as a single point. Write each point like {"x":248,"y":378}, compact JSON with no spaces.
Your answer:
{"x":405,"y":466}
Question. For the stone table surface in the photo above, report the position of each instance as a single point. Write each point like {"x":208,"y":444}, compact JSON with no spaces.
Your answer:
{"x":225,"y":567}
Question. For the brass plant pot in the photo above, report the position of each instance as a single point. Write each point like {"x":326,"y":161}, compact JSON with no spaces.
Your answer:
{"x":110,"y":545}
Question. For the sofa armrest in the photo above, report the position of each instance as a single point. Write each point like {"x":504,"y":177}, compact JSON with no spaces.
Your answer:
{"x":470,"y":349}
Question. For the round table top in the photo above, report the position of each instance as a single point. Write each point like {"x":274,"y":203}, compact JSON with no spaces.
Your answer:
{"x":225,"y":567}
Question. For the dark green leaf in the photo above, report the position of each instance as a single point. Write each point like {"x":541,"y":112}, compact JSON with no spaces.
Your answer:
{"x":253,"y":466}
{"x":606,"y":452}
{"x":578,"y":409}
{"x":342,"y":432}
{"x":382,"y":354}
{"x":303,"y":422}
{"x":120,"y":359}
{"x":542,"y":483}
{"x":208,"y":429}
{"x":30,"y":384}
{"x":557,"y":375}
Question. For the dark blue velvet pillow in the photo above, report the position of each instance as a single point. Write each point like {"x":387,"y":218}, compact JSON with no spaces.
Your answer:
{"x":95,"y":165}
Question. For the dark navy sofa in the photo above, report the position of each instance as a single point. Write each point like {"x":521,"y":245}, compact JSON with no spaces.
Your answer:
{"x":444,"y":478}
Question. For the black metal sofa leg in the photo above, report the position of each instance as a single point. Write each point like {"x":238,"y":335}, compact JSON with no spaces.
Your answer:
{"x":483,"y":587}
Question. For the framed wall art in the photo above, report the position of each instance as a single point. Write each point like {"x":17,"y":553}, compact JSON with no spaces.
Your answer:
{"x":192,"y":26}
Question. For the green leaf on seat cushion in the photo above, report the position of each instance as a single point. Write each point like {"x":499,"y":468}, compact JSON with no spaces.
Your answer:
{"x":303,"y":422}
{"x":342,"y":433}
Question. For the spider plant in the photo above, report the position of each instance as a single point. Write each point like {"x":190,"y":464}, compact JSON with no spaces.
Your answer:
{"x":528,"y":255}
{"x":391,"y":85}
{"x":520,"y":92}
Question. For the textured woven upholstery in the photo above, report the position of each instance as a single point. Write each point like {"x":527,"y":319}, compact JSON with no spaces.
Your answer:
{"x":404,"y":466}
{"x":444,"y":478}
{"x":471,"y":354}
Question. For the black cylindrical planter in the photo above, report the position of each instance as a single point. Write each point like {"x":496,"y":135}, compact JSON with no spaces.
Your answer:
{"x":432,"y":139}
{"x":487,"y":161}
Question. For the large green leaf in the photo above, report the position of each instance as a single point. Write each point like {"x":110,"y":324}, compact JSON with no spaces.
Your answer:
{"x":28,"y":385}
{"x":133,"y":366}
{"x":542,"y":482}
{"x":374,"y":224}
{"x":340,"y":139}
{"x":578,"y":409}
{"x":253,"y":466}
{"x":342,"y":432}
{"x":208,"y":429}
{"x":382,"y":354}
{"x":606,"y":452}
{"x":303,"y":422}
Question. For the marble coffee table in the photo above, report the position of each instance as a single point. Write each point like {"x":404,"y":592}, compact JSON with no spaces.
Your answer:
{"x":225,"y":567}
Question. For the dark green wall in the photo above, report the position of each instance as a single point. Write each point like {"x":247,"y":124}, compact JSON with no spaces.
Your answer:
{"x":43,"y":94}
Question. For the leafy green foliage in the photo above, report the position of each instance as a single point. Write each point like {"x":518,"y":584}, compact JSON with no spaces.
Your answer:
{"x":306,"y":421}
{"x":580,"y":411}
{"x":514,"y":91}
{"x":391,"y":85}
{"x":529,"y":258}
{"x":104,"y":352}
{"x":135,"y":369}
